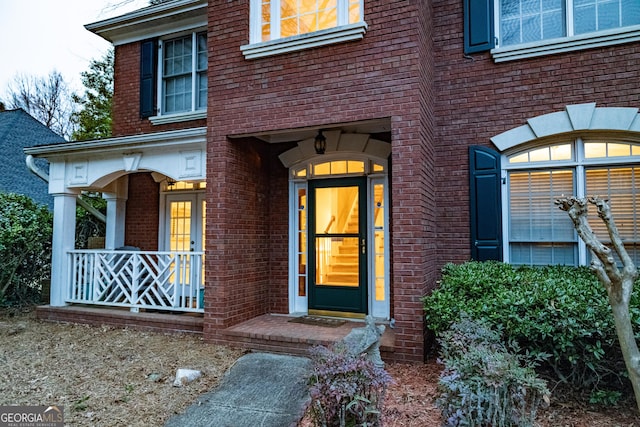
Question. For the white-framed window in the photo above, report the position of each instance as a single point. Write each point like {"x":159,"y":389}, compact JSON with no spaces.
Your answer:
{"x":286,"y":18}
{"x":534,"y":27}
{"x":539,"y":233}
{"x":279,"y":26}
{"x":523,"y":21}
{"x":182,"y":67}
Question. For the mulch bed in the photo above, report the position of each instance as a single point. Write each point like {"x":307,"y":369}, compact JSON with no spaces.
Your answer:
{"x":108,"y":376}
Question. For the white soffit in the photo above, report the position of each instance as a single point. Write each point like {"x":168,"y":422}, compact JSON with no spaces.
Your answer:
{"x":152,"y":21}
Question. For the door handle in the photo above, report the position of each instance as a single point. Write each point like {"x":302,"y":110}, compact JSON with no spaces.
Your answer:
{"x":363,"y":245}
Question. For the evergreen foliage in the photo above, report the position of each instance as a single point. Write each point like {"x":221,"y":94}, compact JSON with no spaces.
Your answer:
{"x":559,"y":311}
{"x":25,"y":248}
{"x":94,"y":119}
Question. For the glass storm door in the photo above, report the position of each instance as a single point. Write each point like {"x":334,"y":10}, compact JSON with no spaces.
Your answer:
{"x":337,"y":246}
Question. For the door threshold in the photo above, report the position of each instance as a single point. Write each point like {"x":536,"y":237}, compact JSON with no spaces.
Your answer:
{"x":338,"y":314}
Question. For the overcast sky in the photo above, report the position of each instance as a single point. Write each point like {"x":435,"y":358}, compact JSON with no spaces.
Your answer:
{"x":38,"y":36}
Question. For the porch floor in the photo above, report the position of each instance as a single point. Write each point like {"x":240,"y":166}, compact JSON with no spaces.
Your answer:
{"x":269,"y":332}
{"x":122,"y":317}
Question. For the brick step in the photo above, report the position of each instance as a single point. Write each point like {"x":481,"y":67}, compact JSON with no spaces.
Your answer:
{"x":276,"y":334}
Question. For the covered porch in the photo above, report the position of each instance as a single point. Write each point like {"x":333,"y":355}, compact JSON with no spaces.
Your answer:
{"x":152,"y":256}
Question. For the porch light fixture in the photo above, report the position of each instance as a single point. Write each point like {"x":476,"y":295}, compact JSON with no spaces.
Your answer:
{"x":320,"y":143}
{"x":170,"y":182}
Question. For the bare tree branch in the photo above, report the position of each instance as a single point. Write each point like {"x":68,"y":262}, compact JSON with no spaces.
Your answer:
{"x":47,"y":99}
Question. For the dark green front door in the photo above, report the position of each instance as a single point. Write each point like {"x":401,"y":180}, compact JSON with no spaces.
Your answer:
{"x":338,"y":246}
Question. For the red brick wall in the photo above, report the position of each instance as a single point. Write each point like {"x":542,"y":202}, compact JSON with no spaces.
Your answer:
{"x":478,"y":99}
{"x":142,"y":217}
{"x":386,"y":75}
{"x":126,"y":96}
{"x":409,"y":69}
{"x":238,"y":250}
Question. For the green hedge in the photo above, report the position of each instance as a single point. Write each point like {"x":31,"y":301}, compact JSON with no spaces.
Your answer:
{"x":558,"y":311}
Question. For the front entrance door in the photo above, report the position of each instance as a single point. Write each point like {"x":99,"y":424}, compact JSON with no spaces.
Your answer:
{"x":337,"y":246}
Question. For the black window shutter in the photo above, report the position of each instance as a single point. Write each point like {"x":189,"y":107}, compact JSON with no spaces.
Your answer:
{"x":148,"y":81}
{"x":478,"y":26}
{"x":485,"y":202}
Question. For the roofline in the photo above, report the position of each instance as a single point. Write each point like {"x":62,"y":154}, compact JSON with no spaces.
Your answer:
{"x":151,"y":21}
{"x":158,"y":139}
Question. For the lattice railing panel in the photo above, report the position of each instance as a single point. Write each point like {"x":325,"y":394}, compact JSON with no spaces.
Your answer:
{"x":137,"y":279}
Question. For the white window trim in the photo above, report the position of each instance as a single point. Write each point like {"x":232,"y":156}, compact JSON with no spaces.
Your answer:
{"x":344,"y":33}
{"x":378,"y":309}
{"x":194,"y":114}
{"x":297,"y":304}
{"x":256,"y":48}
{"x":568,"y":125}
{"x":178,"y":117}
{"x":567,"y":44}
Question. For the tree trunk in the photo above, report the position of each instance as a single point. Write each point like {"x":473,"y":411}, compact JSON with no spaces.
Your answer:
{"x":618,"y":283}
{"x":628,"y":345}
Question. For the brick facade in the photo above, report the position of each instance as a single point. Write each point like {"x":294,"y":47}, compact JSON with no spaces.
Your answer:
{"x":142,"y":217}
{"x":408,"y":70}
{"x":478,"y":99}
{"x":378,"y":77}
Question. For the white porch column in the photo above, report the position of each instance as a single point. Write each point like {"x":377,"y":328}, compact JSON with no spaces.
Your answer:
{"x":64,"y":237}
{"x":116,"y":196}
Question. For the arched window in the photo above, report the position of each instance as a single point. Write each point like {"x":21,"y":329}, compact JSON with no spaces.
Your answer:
{"x":539,"y":233}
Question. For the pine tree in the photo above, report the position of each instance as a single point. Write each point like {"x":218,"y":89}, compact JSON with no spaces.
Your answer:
{"x":93,"y":120}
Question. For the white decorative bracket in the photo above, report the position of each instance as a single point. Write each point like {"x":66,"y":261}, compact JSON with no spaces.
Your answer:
{"x":131,"y":161}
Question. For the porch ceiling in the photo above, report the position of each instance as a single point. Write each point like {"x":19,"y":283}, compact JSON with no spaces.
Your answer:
{"x":376,"y":126}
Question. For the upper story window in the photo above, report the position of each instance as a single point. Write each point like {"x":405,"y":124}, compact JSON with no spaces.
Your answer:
{"x":529,"y":28}
{"x":279,"y":26}
{"x":524,"y":21}
{"x":286,"y":18}
{"x":183,"y":86}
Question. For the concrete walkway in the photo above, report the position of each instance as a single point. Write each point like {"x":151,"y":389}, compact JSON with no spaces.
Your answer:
{"x":260,"y":389}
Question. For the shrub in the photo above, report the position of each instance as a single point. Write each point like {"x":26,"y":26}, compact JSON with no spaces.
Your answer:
{"x":557,"y":310}
{"x":346,"y":390}
{"x":25,"y":248}
{"x":483,"y":383}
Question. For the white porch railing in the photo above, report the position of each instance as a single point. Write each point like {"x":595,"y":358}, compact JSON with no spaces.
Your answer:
{"x":137,"y":279}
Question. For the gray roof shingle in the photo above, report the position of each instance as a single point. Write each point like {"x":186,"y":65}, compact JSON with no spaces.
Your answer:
{"x":17,"y":131}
